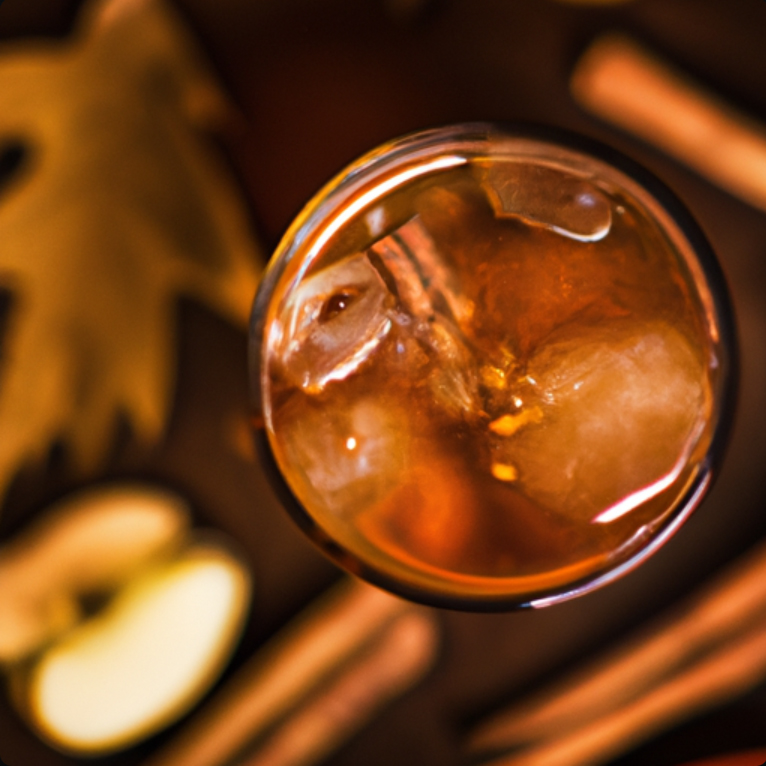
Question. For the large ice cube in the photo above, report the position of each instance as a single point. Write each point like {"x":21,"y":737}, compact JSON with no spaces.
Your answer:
{"x":616,"y":412}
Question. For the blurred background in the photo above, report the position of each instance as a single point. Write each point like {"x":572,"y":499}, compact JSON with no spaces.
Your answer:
{"x":313,"y":84}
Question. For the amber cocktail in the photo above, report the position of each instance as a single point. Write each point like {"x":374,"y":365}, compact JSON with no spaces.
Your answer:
{"x":493,"y":368}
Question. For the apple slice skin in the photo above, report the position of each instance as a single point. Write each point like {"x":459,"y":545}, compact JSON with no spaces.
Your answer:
{"x":144,"y":661}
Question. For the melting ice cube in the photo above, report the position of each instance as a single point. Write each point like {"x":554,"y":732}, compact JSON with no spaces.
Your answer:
{"x":333,"y":322}
{"x":548,"y":196}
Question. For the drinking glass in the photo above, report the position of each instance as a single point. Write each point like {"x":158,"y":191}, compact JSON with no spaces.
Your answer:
{"x":492,"y":366}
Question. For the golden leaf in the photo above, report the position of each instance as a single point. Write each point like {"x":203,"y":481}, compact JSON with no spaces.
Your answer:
{"x":113,"y":202}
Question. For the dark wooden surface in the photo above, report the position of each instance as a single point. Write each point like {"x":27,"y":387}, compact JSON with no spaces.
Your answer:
{"x":319,"y":82}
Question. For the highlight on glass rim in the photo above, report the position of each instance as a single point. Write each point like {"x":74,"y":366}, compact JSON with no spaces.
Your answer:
{"x":493,"y":366}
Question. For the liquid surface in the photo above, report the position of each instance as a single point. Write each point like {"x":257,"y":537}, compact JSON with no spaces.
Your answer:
{"x":495,"y":381}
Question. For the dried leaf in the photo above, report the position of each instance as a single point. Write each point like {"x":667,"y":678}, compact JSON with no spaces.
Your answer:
{"x":113,"y":203}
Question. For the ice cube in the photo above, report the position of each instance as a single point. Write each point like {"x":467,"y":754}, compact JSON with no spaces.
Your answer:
{"x":350,"y":453}
{"x":430,"y":298}
{"x":333,"y":322}
{"x":547,"y":196}
{"x":620,"y":407}
{"x":337,"y":318}
{"x":419,"y":274}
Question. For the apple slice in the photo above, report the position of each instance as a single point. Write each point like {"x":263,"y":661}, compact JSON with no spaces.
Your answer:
{"x":144,"y":660}
{"x":88,"y":544}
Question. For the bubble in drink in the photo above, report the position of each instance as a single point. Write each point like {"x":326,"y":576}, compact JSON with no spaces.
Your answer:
{"x":490,"y":377}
